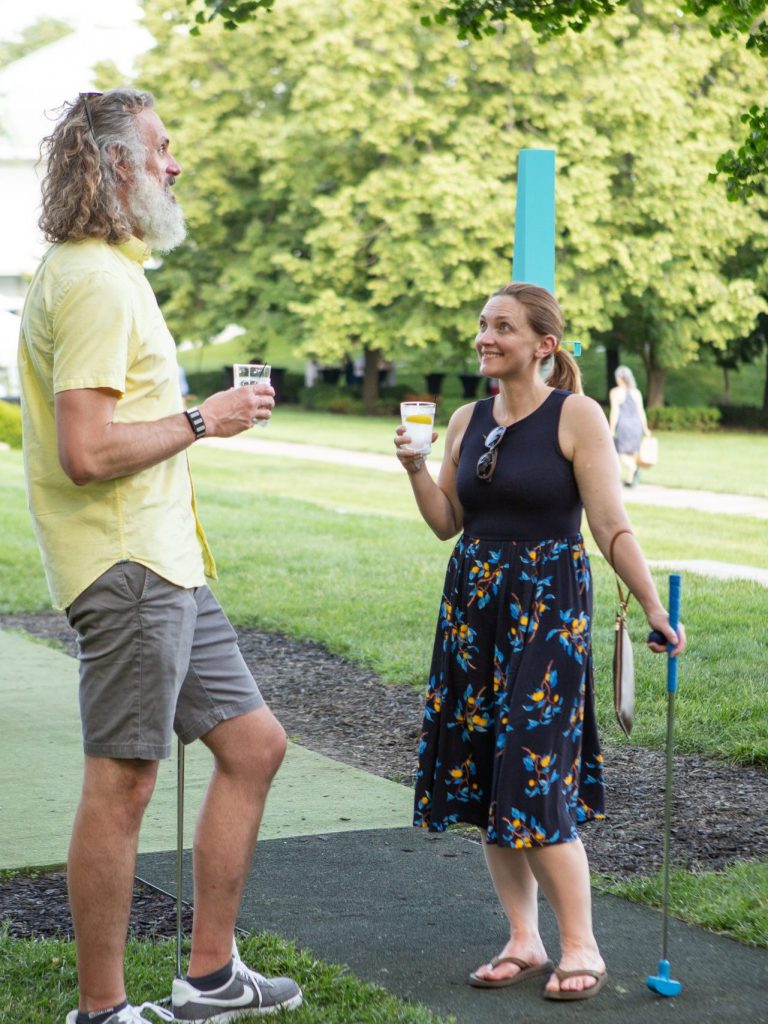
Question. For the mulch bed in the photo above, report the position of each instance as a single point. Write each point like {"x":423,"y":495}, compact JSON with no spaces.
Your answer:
{"x":339,"y":709}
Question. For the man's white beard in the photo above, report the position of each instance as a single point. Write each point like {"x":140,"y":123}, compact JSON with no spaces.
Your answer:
{"x":155,"y":213}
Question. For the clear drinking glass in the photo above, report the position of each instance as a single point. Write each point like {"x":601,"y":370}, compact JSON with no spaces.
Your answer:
{"x":245,"y":374}
{"x":419,"y":421}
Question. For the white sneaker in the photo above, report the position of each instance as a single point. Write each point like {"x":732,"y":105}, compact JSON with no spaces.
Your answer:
{"x":246,"y":992}
{"x":130,"y":1015}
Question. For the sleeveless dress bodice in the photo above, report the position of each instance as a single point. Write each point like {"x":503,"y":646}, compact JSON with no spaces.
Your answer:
{"x":533,"y":491}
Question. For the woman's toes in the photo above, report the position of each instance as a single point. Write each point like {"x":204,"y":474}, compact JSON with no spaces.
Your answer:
{"x":498,"y":972}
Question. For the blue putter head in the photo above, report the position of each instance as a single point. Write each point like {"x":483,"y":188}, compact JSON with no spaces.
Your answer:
{"x":661,"y":983}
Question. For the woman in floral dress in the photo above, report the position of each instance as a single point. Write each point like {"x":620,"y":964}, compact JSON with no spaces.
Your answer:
{"x":509,"y":741}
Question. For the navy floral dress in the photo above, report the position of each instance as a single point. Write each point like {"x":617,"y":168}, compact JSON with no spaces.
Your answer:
{"x":509,"y":740}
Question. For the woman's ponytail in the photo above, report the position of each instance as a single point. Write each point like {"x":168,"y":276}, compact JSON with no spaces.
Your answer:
{"x":565,"y":373}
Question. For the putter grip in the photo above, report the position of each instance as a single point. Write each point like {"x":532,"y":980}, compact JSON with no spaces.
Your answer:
{"x":675,"y":587}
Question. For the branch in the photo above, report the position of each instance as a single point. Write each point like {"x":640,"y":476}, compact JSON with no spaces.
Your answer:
{"x":476,"y":17}
{"x":745,"y":170}
{"x":233,"y":12}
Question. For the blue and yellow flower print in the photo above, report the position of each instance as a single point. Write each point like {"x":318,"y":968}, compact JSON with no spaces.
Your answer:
{"x":509,"y":740}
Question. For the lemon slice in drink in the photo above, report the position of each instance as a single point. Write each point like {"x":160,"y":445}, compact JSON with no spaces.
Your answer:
{"x":418,"y":417}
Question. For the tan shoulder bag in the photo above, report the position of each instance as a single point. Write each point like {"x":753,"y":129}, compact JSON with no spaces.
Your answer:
{"x":623,"y":658}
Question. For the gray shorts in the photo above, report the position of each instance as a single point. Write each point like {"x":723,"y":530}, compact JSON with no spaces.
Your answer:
{"x":154,"y":658}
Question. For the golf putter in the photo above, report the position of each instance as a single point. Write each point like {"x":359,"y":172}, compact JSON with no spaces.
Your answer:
{"x":662,"y":983}
{"x":179,"y":853}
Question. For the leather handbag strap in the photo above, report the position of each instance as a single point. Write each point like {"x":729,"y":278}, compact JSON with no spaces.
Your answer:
{"x":623,"y":598}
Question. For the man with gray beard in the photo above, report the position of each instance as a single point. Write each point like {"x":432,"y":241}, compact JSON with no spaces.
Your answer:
{"x":112,"y":503}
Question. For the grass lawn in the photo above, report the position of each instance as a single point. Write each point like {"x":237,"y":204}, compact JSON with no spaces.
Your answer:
{"x":733,"y":901}
{"x":344,"y":559}
{"x":40,"y":982}
{"x":340,"y":556}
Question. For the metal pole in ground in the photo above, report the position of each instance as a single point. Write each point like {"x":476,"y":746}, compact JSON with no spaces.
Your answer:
{"x":179,"y":853}
{"x":662,"y":983}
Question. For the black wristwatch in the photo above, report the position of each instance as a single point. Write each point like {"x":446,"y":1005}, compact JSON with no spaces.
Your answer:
{"x":196,"y":421}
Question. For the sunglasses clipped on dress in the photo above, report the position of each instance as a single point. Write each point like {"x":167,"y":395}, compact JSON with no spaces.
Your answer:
{"x":486,"y":464}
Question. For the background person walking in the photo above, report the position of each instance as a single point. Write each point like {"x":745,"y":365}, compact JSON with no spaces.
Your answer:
{"x":627,"y":422}
{"x":509,"y":740}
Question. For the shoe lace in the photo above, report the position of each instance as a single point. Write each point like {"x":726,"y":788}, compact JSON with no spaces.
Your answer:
{"x":133,"y":1014}
{"x":252,"y":977}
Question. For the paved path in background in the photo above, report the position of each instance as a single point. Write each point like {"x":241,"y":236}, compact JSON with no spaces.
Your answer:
{"x":643,"y":494}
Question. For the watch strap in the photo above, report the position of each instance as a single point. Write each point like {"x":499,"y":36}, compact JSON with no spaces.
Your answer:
{"x":196,"y":421}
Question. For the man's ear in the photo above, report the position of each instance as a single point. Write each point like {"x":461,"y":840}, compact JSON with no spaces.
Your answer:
{"x":119,"y":163}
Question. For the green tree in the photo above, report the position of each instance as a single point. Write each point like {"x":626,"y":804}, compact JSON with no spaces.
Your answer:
{"x":743,"y":169}
{"x":354,"y":178}
{"x":332,"y":201}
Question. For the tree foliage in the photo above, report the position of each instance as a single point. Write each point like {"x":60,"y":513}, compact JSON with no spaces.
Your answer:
{"x":233,"y":13}
{"x":552,"y":17}
{"x":743,"y":169}
{"x":353,"y":178}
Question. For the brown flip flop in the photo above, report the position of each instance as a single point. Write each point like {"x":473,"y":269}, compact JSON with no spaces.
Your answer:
{"x":586,"y":993}
{"x":526,"y":971}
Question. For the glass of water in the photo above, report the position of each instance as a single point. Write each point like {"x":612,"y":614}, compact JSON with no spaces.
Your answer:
{"x":245,"y":374}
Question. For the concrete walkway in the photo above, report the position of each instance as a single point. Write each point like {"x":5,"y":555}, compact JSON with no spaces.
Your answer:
{"x":339,"y":870}
{"x":644,"y":494}
{"x":415,"y":913}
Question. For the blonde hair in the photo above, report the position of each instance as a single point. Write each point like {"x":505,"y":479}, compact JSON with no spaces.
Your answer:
{"x":96,"y":131}
{"x":545,"y":316}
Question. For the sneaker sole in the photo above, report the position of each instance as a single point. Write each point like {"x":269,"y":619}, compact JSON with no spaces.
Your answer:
{"x":249,"y":1011}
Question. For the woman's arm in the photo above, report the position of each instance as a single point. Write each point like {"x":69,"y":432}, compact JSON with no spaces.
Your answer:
{"x":586,"y":440}
{"x":438,"y":501}
{"x":613,"y":418}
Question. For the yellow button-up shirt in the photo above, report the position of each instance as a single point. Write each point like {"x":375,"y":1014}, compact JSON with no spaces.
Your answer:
{"x":91,"y":320}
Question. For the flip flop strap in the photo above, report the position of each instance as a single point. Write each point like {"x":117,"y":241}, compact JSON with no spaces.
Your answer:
{"x":562,"y":975}
{"x":522,"y":964}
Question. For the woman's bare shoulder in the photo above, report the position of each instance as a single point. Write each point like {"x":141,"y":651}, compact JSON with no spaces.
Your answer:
{"x":582,"y":406}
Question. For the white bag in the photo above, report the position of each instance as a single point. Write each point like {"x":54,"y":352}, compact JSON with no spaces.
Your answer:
{"x":649,"y":453}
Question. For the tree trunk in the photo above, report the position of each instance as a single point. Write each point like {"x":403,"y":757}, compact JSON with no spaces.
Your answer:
{"x":726,"y":386}
{"x":371,"y":381}
{"x":656,"y":380}
{"x":765,"y":392}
